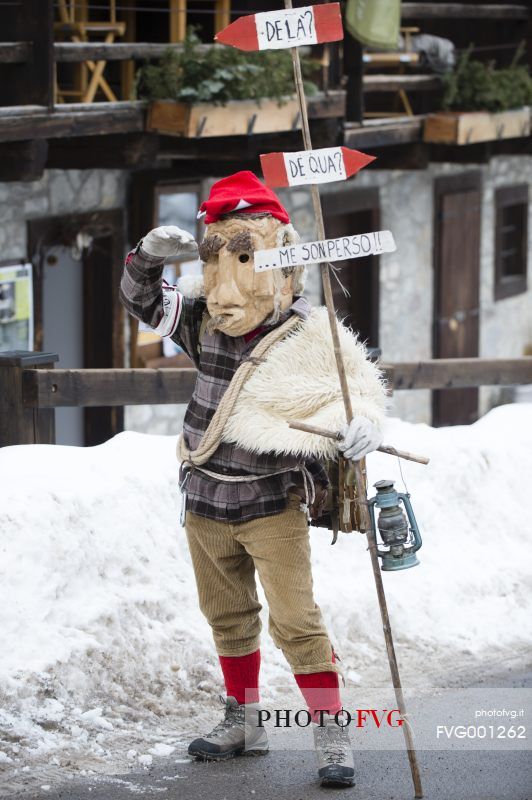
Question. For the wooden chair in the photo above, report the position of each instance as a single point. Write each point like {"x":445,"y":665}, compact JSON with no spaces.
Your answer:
{"x":400,"y":59}
{"x":75,"y":25}
{"x":178,"y":17}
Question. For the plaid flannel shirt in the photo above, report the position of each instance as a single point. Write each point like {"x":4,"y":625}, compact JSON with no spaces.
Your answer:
{"x":163,"y":308}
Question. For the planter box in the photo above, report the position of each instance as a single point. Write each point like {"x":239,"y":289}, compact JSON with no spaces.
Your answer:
{"x":236,"y":118}
{"x":476,"y":126}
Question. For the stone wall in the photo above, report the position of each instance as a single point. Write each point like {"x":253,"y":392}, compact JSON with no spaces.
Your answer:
{"x":57,"y":192}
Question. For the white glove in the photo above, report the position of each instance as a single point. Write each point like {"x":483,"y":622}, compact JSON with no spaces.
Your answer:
{"x":360,"y":437}
{"x":169,"y":240}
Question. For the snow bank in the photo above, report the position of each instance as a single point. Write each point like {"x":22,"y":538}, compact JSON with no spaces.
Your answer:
{"x":101,"y":632}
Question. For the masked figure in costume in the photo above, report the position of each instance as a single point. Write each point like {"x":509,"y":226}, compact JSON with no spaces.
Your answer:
{"x":251,"y":483}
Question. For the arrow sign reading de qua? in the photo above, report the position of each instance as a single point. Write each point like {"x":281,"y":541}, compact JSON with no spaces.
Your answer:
{"x":312,"y":166}
{"x":342,"y":249}
{"x":276,"y":30}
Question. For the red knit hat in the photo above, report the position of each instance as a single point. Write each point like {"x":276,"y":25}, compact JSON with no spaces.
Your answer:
{"x":241,"y":192}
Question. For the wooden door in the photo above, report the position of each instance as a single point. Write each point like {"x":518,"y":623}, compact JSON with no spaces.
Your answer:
{"x":456,"y":290}
{"x":103,"y":314}
{"x":96,"y":298}
{"x":346,"y":215}
{"x":62,"y":328}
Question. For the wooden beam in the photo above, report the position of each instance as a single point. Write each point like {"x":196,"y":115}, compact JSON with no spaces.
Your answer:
{"x":455,"y":373}
{"x":18,"y":423}
{"x":463,"y":11}
{"x":481,"y":153}
{"x":38,"y":27}
{"x":30,"y":80}
{"x":395,"y":83}
{"x":23,"y":161}
{"x":107,"y":387}
{"x":104,"y":106}
{"x":327,"y":105}
{"x":22,"y":111}
{"x":244,"y":149}
{"x":90,"y":119}
{"x":74,"y":119}
{"x":117,"y":51}
{"x":15,"y":52}
{"x":414,"y":155}
{"x":117,"y":387}
{"x":353,"y":71}
{"x":178,"y":20}
{"x":114,"y":151}
{"x":527,"y":35}
{"x":383,"y":134}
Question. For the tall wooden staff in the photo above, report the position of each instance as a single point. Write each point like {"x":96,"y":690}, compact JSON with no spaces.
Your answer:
{"x":246,"y":29}
{"x":359,"y":477}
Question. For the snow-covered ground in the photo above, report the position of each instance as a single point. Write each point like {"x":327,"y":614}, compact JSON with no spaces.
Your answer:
{"x":105,"y":658}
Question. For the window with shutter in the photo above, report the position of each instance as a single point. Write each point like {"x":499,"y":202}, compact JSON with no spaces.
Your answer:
{"x":511,"y":240}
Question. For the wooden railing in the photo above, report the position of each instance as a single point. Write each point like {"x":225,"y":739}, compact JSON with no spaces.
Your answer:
{"x":76,"y":52}
{"x":31,"y":388}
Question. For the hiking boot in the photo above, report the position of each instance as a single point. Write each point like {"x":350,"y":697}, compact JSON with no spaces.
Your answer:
{"x":333,"y":750}
{"x":237,"y":734}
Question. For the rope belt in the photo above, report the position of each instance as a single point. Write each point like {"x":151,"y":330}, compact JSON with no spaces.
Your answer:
{"x":308,"y":482}
{"x":221,"y":476}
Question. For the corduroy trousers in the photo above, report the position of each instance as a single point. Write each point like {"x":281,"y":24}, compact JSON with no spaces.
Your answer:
{"x":225,"y":557}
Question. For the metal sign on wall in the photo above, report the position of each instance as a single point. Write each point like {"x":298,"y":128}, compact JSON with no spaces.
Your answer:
{"x":16,"y":307}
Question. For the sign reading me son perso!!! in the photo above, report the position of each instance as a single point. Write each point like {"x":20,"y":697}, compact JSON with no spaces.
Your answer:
{"x":342,"y":249}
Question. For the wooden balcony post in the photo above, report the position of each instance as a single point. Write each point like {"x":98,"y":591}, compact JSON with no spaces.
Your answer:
{"x":20,"y":424}
{"x":354,"y":71}
{"x":30,"y":82}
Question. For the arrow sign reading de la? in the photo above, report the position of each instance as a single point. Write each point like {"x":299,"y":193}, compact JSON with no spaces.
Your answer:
{"x":276,"y":30}
{"x":346,"y":247}
{"x":312,"y":166}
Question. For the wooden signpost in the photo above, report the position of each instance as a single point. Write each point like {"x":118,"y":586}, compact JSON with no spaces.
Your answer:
{"x":346,"y":247}
{"x":312,"y":166}
{"x":293,"y":28}
{"x":278,"y":30}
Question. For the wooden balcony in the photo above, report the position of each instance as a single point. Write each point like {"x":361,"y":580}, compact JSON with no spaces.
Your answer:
{"x":36,"y":131}
{"x":92,"y":119}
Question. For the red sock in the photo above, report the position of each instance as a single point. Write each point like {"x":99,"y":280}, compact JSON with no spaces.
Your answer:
{"x":241,"y":676}
{"x":321,"y":691}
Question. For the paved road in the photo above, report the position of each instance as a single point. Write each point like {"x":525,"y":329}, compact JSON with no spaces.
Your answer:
{"x":290,"y":775}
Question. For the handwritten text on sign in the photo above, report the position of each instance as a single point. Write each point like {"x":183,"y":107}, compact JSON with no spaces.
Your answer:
{"x":320,"y":166}
{"x":292,"y":27}
{"x":312,"y":166}
{"x":280,"y":29}
{"x":342,"y":249}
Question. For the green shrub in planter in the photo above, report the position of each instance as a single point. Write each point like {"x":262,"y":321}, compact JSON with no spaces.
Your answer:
{"x":220,"y":74}
{"x":478,"y":86}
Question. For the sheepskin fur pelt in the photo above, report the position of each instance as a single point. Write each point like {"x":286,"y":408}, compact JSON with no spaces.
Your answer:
{"x":299,"y":381}
{"x":191,"y":285}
